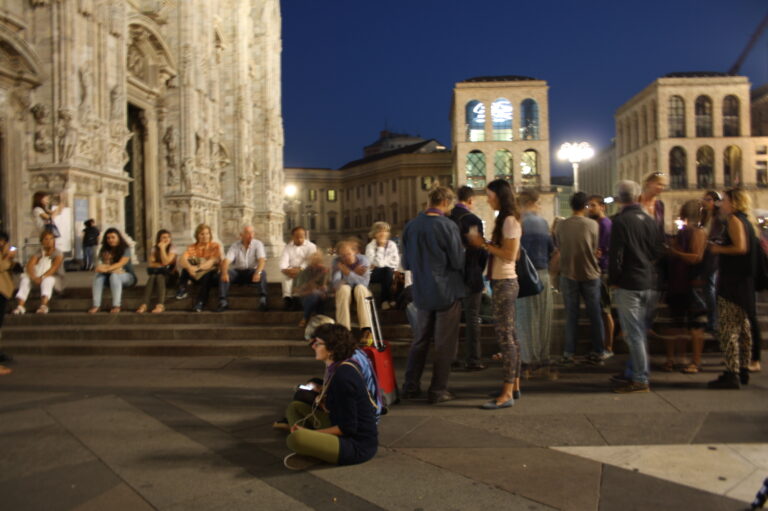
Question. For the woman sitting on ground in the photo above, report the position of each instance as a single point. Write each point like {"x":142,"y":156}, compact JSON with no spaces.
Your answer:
{"x":311,"y":285}
{"x":43,"y":269}
{"x":161,"y":264}
{"x":343,"y":417}
{"x":114,"y":267}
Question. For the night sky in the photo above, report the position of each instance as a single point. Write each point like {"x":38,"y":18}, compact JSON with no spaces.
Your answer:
{"x":352,"y":68}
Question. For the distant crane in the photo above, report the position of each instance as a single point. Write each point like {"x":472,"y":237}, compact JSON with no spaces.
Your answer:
{"x":760,"y":29}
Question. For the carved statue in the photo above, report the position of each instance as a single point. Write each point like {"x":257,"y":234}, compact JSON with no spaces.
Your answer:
{"x":86,"y":77}
{"x":115,"y":103}
{"x":67,"y":133}
{"x":169,"y":139}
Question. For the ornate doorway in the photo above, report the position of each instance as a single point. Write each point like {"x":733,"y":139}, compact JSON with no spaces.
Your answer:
{"x":136,"y":200}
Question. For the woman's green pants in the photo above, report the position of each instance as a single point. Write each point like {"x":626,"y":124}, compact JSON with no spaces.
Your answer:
{"x":308,"y":442}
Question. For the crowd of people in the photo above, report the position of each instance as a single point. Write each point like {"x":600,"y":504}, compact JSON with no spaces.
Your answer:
{"x":628,"y":263}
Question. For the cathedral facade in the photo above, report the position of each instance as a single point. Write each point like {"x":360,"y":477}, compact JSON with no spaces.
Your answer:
{"x":142,"y":114}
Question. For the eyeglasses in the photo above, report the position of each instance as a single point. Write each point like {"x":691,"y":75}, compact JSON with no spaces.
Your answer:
{"x":315,"y":342}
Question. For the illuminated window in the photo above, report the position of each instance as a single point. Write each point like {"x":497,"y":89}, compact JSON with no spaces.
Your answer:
{"x":312,"y":195}
{"x":676,"y":117}
{"x":731,"y":116}
{"x":529,"y":168}
{"x":732,"y":166}
{"x":705,"y":164}
{"x":331,"y":195}
{"x":703,"y":116}
{"x":475,"y":121}
{"x":501,"y":119}
{"x":529,"y":120}
{"x":677,"y":168}
{"x":503,"y":164}
{"x":475,"y":169}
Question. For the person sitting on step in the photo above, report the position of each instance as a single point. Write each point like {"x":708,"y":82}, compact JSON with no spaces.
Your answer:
{"x":311,"y":287}
{"x":244,"y":264}
{"x":115,"y":268}
{"x":350,"y":275}
{"x":44,"y":269}
{"x":200,"y":262}
{"x":294,"y":259}
{"x":162,"y":262}
{"x":385,"y":259}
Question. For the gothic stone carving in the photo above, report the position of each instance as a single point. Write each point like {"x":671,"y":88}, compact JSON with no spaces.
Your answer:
{"x":42,"y":141}
{"x":68,"y":134}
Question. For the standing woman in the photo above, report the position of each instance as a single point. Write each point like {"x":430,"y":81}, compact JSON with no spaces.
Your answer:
{"x":161,"y":264}
{"x":712,"y":223}
{"x":42,"y":212}
{"x":114,"y":267}
{"x":503,"y":250}
{"x":735,"y":289}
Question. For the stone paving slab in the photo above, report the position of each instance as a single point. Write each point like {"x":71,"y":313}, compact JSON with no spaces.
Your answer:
{"x":646,"y":428}
{"x":571,"y":483}
{"x":438,"y":432}
{"x":629,"y":491}
{"x":734,"y":427}
{"x":117,"y":498}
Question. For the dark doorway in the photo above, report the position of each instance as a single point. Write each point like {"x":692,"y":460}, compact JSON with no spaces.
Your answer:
{"x":135,"y":220}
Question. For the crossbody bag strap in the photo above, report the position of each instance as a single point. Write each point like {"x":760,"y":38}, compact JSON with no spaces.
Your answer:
{"x":370,"y":398}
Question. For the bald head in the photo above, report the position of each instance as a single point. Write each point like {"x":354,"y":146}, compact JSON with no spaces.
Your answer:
{"x":247,"y":234}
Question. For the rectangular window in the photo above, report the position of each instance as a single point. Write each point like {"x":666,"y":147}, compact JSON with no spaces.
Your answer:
{"x":312,"y":222}
{"x":762,"y":174}
{"x":332,"y":223}
{"x":331,"y":195}
{"x":312,"y":195}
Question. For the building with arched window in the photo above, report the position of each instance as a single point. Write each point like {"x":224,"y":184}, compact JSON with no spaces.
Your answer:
{"x":512,"y":142}
{"x":699,"y":136}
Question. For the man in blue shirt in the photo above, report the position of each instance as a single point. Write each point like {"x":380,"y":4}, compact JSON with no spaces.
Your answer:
{"x":433,"y":252}
{"x":350,"y":276}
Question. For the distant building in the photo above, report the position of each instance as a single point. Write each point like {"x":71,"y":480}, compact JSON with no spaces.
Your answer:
{"x":597,"y":175}
{"x":500,"y":129}
{"x":694,"y":127}
{"x":391,"y":186}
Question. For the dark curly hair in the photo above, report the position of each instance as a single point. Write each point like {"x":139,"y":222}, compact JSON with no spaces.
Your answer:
{"x":338,"y":341}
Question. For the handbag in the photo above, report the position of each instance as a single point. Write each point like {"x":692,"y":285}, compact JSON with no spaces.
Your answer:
{"x":527,"y":276}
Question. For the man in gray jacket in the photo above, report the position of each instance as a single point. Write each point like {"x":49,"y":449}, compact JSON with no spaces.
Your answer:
{"x":434,"y":254}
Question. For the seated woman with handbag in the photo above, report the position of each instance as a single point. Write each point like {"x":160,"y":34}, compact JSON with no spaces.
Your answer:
{"x":114,"y":268}
{"x":162,"y":262}
{"x":340,"y":427}
{"x":201,"y":263}
{"x":44,"y":269}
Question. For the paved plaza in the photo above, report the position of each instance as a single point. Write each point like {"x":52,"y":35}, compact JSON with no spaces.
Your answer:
{"x":194,"y":433}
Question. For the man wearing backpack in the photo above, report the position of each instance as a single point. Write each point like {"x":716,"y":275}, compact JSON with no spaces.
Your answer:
{"x":473,"y":277}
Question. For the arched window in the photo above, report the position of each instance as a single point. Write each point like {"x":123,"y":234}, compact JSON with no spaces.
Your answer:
{"x":677,"y":168}
{"x":501,"y":119}
{"x":503,"y":164}
{"x":703,"y":116}
{"x":676,"y":117}
{"x":705,"y":167}
{"x":475,"y":170}
{"x":731,"y":116}
{"x":475,"y":115}
{"x":529,"y":120}
{"x":530,"y":168}
{"x":732,"y":166}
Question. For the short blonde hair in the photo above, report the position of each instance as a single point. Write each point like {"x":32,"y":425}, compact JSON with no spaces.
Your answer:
{"x":378,"y":227}
{"x":440,"y":194}
{"x":352,"y":243}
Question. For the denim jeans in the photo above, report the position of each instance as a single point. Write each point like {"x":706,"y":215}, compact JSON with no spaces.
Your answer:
{"x":632,"y":306}
{"x":116,"y":283}
{"x":710,"y":298}
{"x":471,"y":306}
{"x":312,"y":303}
{"x":244,"y":277}
{"x":589,"y":290}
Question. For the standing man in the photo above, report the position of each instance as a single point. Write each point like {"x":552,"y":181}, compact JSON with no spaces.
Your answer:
{"x":474,"y":266}
{"x":596,"y":208}
{"x":434,"y":254}
{"x":244,"y":264}
{"x":294,"y":259}
{"x":633,"y":252}
{"x":580,"y":277}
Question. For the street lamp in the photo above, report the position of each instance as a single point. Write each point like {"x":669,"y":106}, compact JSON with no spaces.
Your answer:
{"x":292,"y":204}
{"x":575,"y":153}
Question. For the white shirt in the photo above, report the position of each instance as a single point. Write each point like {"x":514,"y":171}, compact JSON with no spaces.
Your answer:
{"x":386,"y":256}
{"x":297,"y":256}
{"x":242,"y":258}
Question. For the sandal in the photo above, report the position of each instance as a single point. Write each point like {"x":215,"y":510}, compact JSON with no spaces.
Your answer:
{"x":142,"y":309}
{"x":691,"y":369}
{"x":43,"y":309}
{"x":302,"y":323}
{"x":114,"y":310}
{"x":158,"y":308}
{"x":19,"y":310}
{"x":93,"y":310}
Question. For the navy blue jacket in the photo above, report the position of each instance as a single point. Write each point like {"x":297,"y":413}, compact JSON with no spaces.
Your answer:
{"x":475,"y":258}
{"x":352,"y":411}
{"x":636,"y":244}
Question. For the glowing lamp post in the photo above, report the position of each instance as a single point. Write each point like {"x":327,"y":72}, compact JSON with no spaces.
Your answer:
{"x":575,"y":153}
{"x":292,"y":203}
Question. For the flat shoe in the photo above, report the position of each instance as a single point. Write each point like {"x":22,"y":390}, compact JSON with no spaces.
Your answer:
{"x":491,"y":405}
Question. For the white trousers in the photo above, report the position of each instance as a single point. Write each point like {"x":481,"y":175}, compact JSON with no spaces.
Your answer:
{"x":25,"y":285}
{"x":343,"y":299}
{"x":287,"y":286}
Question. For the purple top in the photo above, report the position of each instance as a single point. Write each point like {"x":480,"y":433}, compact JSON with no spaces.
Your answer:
{"x":604,"y":242}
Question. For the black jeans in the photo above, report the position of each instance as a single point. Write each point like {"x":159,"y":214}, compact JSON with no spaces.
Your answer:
{"x":205,"y":283}
{"x":383,"y":275}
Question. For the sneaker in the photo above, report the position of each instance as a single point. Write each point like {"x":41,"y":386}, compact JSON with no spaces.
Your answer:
{"x":442,"y":397}
{"x":727,"y":380}
{"x":198,"y":307}
{"x":568,"y":361}
{"x":744,"y":376}
{"x":595,"y":359}
{"x":475,"y":366}
{"x":281,"y":425}
{"x":619,"y":378}
{"x":181,"y":294}
{"x":223,"y":305}
{"x":410,"y":393}
{"x":296,"y":461}
{"x":263,"y":305}
{"x":632,"y":387}
{"x":607,"y":354}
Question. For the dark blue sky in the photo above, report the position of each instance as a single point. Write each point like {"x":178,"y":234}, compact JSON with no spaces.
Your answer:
{"x":353,"y":67}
